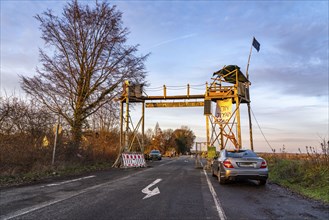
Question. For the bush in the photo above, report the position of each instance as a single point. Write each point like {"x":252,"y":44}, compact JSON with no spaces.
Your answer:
{"x":289,"y":170}
{"x":23,"y":127}
{"x":307,"y":174}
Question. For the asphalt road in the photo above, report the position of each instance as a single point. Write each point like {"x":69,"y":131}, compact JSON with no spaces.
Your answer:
{"x":166,"y":189}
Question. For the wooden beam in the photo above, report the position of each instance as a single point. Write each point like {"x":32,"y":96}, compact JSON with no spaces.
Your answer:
{"x":173,"y":104}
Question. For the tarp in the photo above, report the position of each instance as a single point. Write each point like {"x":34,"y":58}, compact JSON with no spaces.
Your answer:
{"x":229,"y":74}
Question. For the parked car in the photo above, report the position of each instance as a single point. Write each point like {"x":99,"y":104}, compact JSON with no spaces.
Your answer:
{"x":239,"y":164}
{"x":155,"y":154}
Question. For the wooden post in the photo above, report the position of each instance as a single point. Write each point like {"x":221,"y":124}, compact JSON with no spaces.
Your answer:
{"x":143,"y":126}
{"x":127,"y":117}
{"x":55,"y":142}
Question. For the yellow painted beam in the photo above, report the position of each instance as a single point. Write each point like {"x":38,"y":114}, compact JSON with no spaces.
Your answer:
{"x":173,"y":104}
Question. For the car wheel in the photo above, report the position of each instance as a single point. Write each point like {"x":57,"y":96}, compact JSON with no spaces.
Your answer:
{"x":262,"y":182}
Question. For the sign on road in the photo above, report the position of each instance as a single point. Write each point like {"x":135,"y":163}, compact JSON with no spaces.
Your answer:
{"x":149,"y":193}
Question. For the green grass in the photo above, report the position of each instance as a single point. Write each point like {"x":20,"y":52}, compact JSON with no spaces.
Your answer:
{"x":48,"y":172}
{"x":307,"y":177}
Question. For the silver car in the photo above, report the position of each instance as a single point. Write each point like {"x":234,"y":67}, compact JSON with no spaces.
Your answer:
{"x":239,"y":164}
{"x":155,"y":154}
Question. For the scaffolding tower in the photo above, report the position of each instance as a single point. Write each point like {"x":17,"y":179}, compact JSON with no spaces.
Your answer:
{"x":228,"y":90}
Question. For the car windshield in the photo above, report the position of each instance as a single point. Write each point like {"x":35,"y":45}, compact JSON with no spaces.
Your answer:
{"x":241,"y":153}
{"x":155,"y":151}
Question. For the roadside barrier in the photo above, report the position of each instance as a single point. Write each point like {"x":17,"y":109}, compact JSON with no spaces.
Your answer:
{"x":133,"y":160}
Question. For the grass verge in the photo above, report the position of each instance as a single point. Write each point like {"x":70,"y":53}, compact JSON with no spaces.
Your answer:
{"x":44,"y":172}
{"x":306,"y":177}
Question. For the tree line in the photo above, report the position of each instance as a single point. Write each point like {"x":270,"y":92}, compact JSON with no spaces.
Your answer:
{"x":179,"y":140}
{"x":27,"y":133}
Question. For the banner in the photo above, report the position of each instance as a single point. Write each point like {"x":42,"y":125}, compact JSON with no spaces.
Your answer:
{"x":211,"y":152}
{"x":224,"y":109}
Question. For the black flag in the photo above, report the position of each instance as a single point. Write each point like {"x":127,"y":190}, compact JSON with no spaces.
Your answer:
{"x":256,"y":44}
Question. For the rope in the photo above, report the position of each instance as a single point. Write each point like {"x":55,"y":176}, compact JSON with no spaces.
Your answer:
{"x":170,"y":88}
{"x":203,"y":89}
{"x":199,"y":85}
{"x":155,"y":88}
{"x":261,"y":130}
{"x":176,"y":87}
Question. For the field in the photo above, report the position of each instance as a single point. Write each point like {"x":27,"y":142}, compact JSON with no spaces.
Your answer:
{"x":307,"y":174}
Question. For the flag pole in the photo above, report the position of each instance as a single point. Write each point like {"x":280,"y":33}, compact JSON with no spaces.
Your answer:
{"x":248,"y":103}
{"x":247,"y":74}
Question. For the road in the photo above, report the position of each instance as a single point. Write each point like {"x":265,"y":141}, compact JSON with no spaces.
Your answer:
{"x":167,"y":189}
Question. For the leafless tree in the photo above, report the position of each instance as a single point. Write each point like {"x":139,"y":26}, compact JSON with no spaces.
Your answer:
{"x":106,"y":118}
{"x":184,"y":138}
{"x":23,"y":125}
{"x":90,"y":61}
{"x":18,"y":116}
{"x":169,"y":139}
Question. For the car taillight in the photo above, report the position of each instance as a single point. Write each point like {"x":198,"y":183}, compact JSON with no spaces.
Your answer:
{"x":264,"y":164}
{"x":228,"y":164}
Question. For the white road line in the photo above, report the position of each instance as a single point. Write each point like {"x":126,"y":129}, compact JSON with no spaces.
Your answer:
{"x":167,"y":163}
{"x":68,"y":181}
{"x":34,"y":208}
{"x":45,"y":204}
{"x":219,"y":208}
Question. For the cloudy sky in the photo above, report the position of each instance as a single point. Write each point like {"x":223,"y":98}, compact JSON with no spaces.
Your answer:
{"x":189,"y":40}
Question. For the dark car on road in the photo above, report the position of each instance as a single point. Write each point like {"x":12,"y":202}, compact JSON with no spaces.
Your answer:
{"x":239,"y":164}
{"x":155,"y":155}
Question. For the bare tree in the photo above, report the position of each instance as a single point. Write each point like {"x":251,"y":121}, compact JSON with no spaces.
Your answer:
{"x":169,"y":139}
{"x":23,"y":125}
{"x":106,"y":118}
{"x":90,"y":61}
{"x":18,"y":116}
{"x":184,"y":138}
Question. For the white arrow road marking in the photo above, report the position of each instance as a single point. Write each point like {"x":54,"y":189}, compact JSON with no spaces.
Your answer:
{"x":149,"y":193}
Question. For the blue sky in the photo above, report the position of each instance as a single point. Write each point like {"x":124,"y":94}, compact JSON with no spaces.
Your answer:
{"x":189,"y":40}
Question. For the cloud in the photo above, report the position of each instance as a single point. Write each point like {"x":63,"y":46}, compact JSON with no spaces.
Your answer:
{"x":289,"y":75}
{"x":173,"y":40}
{"x":307,"y":80}
{"x":9,"y":84}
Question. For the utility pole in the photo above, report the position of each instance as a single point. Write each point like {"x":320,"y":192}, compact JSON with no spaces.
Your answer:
{"x":143,"y":126}
{"x":248,"y":103}
{"x":55,"y":142}
{"x":127,"y":117}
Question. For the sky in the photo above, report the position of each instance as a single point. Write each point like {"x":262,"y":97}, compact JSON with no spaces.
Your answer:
{"x":190,"y":40}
